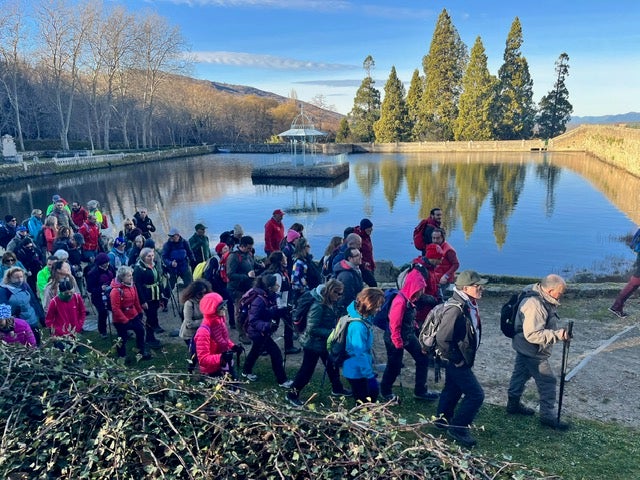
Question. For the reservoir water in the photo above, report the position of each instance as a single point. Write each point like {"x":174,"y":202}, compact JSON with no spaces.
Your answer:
{"x":516,"y":214}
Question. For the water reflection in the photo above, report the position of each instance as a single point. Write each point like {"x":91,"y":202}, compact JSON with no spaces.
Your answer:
{"x":515,"y":213}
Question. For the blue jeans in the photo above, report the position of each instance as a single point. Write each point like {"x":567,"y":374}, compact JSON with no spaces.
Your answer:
{"x":460,"y":381}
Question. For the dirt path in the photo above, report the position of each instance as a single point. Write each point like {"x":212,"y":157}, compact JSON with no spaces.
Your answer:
{"x":606,"y":388}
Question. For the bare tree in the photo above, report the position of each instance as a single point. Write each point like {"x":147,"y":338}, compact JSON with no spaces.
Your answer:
{"x":64,"y":29}
{"x":159,"y":47}
{"x":11,"y":37}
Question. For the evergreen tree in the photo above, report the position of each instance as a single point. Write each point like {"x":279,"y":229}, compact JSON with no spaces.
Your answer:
{"x":343,"y":134}
{"x":515,"y":114}
{"x":444,"y":67}
{"x":414,"y":104}
{"x":474,"y":120}
{"x":554,"y":108}
{"x":366,"y":106}
{"x":392,"y":125}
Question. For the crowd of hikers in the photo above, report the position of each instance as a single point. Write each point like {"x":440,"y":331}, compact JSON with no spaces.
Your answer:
{"x":332,"y":307}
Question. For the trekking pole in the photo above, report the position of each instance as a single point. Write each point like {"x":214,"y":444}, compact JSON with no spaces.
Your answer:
{"x":563,"y":373}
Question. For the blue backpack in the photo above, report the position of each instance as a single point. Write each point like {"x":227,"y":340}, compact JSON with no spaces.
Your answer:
{"x":381,"y":319}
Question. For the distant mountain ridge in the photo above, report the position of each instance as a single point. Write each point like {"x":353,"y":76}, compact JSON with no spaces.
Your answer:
{"x":631,"y":117}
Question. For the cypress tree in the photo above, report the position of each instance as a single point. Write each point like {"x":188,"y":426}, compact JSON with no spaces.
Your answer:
{"x":343,"y":134}
{"x":444,"y":66}
{"x":474,"y":120}
{"x":515,"y":114}
{"x":414,"y":104}
{"x":554,"y":108}
{"x":366,"y":106}
{"x":392,"y":125}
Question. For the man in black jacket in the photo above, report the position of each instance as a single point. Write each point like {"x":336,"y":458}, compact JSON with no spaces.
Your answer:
{"x":458,"y":339}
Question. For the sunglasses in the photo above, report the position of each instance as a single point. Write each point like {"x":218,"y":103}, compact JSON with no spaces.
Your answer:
{"x":10,"y":260}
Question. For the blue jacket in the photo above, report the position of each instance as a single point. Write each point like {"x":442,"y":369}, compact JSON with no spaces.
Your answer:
{"x":359,"y":346}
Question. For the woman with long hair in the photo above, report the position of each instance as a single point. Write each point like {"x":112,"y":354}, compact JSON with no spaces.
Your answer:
{"x":321,"y":319}
{"x":329,"y":252}
{"x":192,"y":316}
{"x":15,"y":292}
{"x":50,"y":230}
{"x":60,"y":270}
{"x":277,"y":265}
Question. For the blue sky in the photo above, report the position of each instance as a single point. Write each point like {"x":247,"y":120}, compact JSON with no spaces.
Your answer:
{"x":318,"y":46}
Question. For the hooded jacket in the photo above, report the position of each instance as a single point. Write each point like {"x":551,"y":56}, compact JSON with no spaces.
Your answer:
{"x":321,"y":319}
{"x":262,"y":310}
{"x":402,"y":314}
{"x":359,"y":347}
{"x":212,"y":337}
{"x":536,"y":324}
{"x":66,"y":318}
{"x":366,"y":249}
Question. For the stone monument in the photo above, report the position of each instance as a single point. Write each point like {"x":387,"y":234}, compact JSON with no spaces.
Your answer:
{"x":9,"y":152}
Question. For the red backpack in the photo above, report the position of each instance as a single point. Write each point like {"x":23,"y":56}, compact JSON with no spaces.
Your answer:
{"x":418,"y":235}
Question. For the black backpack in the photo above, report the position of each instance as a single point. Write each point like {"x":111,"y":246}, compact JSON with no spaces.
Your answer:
{"x":381,"y":319}
{"x":509,"y":312}
{"x":193,"y":356}
{"x":299,"y":314}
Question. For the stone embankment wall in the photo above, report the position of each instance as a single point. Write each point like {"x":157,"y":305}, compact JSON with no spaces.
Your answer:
{"x":615,"y":145}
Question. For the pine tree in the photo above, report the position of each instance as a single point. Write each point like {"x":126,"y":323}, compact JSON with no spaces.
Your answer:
{"x":366,"y":106}
{"x":515,"y":114}
{"x":392,"y":125}
{"x":444,"y":66}
{"x":554,"y":108}
{"x":343,"y":134}
{"x":414,"y":104}
{"x":474,"y":120}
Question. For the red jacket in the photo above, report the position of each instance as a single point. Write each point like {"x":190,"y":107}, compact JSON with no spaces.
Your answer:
{"x":212,"y":337}
{"x":449,"y":265}
{"x":80,"y":216}
{"x":124,"y":302}
{"x":66,"y":318}
{"x":273,"y":235}
{"x":366,"y":250}
{"x":91,"y":235}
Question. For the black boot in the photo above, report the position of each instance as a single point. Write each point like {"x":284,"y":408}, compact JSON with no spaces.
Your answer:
{"x":515,"y":407}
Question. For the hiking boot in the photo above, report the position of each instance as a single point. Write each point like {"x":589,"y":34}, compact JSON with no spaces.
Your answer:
{"x":426,"y":396}
{"x":145,"y":355}
{"x":462,"y":436}
{"x":292,"y":350}
{"x":516,"y":407}
{"x":286,"y":384}
{"x":252,"y":377}
{"x":554,"y":423}
{"x":293,"y":399}
{"x":618,"y":313}
{"x":158,"y":330}
{"x":342,"y":393}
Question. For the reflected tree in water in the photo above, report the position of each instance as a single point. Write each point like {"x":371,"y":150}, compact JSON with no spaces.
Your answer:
{"x":507,"y":182}
{"x":550,"y":175}
{"x":391,"y":173}
{"x":367,"y":177}
{"x":473,"y":187}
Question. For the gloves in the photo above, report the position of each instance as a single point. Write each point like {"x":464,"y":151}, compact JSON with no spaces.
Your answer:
{"x":237,"y":349}
{"x":274,"y":325}
{"x":226,"y":357}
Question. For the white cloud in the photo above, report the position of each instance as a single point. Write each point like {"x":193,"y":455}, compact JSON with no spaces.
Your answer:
{"x":250,"y":60}
{"x":328,"y":5}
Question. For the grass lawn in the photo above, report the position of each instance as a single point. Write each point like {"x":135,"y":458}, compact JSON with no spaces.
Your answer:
{"x":589,"y":450}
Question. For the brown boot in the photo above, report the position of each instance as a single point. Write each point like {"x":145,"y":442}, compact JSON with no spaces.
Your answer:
{"x":515,"y":407}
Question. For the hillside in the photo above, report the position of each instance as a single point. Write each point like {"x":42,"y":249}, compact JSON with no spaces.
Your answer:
{"x":631,"y":117}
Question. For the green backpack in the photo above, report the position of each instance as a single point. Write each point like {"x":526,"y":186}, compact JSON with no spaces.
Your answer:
{"x":337,"y":340}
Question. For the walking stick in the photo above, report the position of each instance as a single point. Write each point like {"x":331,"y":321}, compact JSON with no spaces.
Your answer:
{"x":563,"y":373}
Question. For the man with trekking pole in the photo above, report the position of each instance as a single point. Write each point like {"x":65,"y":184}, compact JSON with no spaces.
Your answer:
{"x":536,"y":332}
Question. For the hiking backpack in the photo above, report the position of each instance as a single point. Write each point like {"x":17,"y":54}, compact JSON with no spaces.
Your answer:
{"x":431,"y":325}
{"x":337,"y":340}
{"x":198,"y":272}
{"x":634,"y":244}
{"x":106,"y":296}
{"x":414,"y":266}
{"x":245,"y":303}
{"x":381,"y":319}
{"x":301,"y":311}
{"x":509,"y":312}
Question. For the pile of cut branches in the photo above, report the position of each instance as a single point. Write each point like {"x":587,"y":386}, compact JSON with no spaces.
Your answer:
{"x":70,"y":415}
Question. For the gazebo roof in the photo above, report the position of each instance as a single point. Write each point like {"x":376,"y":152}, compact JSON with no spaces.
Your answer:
{"x":302,"y":127}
